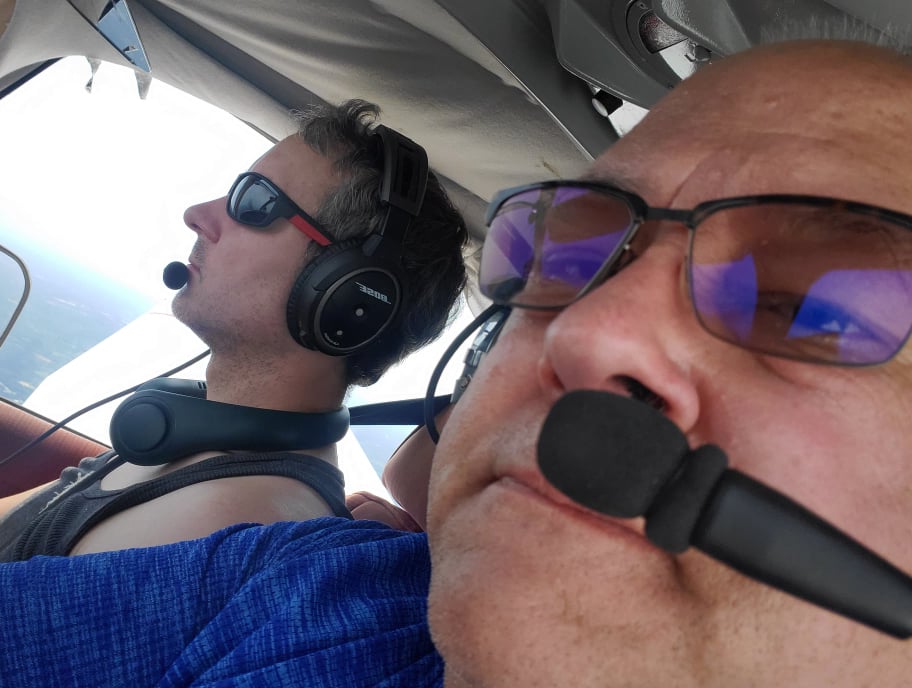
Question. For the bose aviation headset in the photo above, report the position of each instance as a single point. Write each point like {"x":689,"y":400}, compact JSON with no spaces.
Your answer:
{"x":348,"y":295}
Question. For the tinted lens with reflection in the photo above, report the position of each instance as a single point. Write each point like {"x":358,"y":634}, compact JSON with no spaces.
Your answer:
{"x":811,"y":282}
{"x":252,"y":201}
{"x":545,"y":246}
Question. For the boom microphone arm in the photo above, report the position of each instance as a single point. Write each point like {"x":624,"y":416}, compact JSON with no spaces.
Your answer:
{"x":627,"y":460}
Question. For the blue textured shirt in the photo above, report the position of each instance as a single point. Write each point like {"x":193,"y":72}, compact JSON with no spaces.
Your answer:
{"x":325,"y":603}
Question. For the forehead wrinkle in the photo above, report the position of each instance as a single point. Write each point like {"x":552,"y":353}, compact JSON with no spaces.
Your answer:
{"x":804,"y":164}
{"x":774,"y":93}
{"x":751,"y":161}
{"x":633,"y":178}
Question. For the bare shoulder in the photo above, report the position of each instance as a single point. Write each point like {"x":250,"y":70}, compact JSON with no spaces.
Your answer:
{"x":201,"y":509}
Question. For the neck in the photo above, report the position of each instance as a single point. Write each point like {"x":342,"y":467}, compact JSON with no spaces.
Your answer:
{"x":302,"y":381}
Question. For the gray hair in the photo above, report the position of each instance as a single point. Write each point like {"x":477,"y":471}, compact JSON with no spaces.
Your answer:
{"x":842,"y":27}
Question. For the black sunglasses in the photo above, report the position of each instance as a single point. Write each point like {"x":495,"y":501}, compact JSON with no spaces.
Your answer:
{"x":256,"y":201}
{"x":802,"y":277}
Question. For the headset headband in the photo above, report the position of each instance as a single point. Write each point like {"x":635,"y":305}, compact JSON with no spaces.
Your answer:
{"x":405,"y":173}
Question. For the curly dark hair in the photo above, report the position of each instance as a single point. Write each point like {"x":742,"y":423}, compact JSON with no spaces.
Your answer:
{"x":433,"y":268}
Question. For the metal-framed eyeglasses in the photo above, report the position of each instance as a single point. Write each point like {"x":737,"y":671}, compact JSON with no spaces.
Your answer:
{"x":803,"y":277}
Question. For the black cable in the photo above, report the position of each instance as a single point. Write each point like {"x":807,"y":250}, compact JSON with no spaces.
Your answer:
{"x":429,"y":406}
{"x":54,"y":428}
{"x":399,"y":412}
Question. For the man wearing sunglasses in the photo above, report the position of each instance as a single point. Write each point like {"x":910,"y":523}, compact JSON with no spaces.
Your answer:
{"x":301,"y":217}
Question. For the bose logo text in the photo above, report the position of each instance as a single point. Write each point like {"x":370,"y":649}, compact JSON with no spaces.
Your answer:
{"x":373,"y":292}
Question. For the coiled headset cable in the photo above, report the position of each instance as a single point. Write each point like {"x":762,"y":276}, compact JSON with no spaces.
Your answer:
{"x":492,"y":319}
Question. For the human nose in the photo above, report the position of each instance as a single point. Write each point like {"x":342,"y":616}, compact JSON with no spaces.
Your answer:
{"x":632,"y":335}
{"x":206,"y":218}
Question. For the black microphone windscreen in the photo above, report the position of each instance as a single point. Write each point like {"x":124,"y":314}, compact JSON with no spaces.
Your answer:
{"x":610,"y":453}
{"x":176,"y":275}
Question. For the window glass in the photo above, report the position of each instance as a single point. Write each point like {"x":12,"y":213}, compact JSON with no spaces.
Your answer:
{"x":93,"y":186}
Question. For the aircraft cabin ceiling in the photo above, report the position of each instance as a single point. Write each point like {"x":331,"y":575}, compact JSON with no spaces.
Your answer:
{"x":500,"y":92}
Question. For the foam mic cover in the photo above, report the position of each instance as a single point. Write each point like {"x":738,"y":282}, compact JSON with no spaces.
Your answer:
{"x":692,"y":498}
{"x":175,"y":275}
{"x":609,"y":453}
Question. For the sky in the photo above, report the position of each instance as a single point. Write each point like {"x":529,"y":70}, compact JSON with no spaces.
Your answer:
{"x":100,"y":163}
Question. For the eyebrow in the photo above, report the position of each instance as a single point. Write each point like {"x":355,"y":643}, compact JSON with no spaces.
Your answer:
{"x":610,"y":180}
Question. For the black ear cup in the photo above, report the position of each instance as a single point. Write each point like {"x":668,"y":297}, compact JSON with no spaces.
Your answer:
{"x":346,"y":297}
{"x":343,"y":300}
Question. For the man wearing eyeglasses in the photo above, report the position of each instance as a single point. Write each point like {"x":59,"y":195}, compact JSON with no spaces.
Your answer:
{"x":771,"y":325}
{"x":305,"y":279}
{"x":740,"y":264}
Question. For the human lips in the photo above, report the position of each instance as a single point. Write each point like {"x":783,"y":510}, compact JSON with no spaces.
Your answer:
{"x":532,"y":485}
{"x":193,"y":272}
